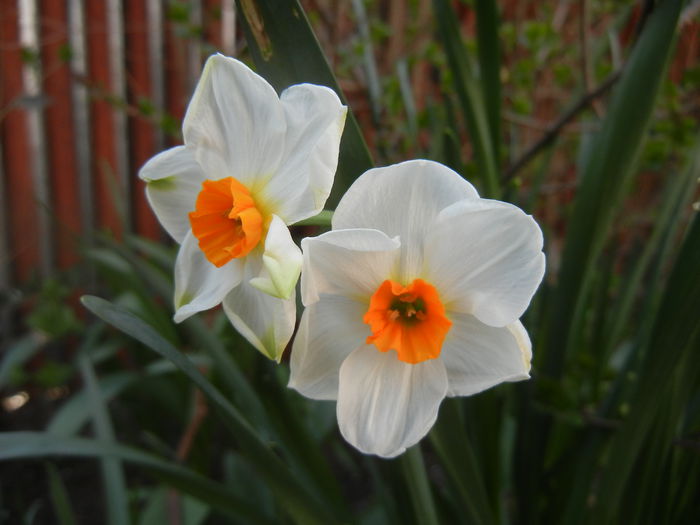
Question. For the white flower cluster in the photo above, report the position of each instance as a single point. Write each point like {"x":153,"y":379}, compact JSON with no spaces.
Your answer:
{"x":415,"y":294}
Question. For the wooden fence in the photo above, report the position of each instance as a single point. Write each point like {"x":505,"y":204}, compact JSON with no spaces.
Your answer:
{"x":88,"y":89}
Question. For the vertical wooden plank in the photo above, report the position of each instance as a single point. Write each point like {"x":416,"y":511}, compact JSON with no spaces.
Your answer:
{"x":31,"y":78}
{"x":228,"y":27}
{"x":4,"y":234}
{"x":156,"y":56}
{"x":23,"y":250}
{"x":6,"y":306}
{"x":103,"y":151}
{"x":175,"y":74}
{"x":115,"y":29}
{"x":141,"y":130}
{"x":60,"y":132}
{"x":194,"y":47}
{"x":212,"y":11}
{"x":82,"y":146}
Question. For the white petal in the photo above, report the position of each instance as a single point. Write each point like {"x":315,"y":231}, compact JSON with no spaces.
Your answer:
{"x":485,"y":258}
{"x":330,"y":329}
{"x":235,"y":123}
{"x":478,"y":356}
{"x":173,"y":181}
{"x":402,"y":200}
{"x":281,"y":262}
{"x":386,"y":405}
{"x":347,"y":262}
{"x":199,"y":285}
{"x":315,"y":120}
{"x":265,"y":321}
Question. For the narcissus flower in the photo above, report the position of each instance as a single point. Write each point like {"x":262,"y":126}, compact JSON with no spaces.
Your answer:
{"x":413,"y":296}
{"x":252,"y":163}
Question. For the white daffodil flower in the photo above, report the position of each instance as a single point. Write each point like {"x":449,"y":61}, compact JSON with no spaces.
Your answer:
{"x":252,"y":163}
{"x":413,"y":296}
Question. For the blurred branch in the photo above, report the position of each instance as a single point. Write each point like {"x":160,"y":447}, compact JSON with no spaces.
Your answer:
{"x":580,"y":105}
{"x":98,"y":92}
{"x":554,"y":130}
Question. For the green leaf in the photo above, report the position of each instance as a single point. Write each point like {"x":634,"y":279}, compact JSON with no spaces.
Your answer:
{"x":286,"y":52}
{"x":675,"y":338}
{"x":418,"y":486}
{"x":471,"y":97}
{"x":112,"y":472}
{"x":454,"y":448}
{"x":232,"y":379}
{"x":17,"y":355}
{"x":159,"y":507}
{"x":322,"y":219}
{"x":301,"y":504}
{"x":607,"y":173}
{"x":59,"y":497}
{"x":488,"y":48}
{"x":34,"y":445}
{"x":75,"y":412}
{"x":678,"y":193}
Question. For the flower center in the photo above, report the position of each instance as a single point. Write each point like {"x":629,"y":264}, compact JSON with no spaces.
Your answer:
{"x":409,"y":319}
{"x":225,"y":220}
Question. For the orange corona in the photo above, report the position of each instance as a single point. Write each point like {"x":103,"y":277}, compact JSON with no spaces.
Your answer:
{"x":226,"y":221}
{"x":409,"y":319}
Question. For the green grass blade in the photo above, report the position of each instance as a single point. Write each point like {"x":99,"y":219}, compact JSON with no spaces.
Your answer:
{"x":36,"y":445}
{"x":674,"y":203}
{"x":286,"y":52}
{"x":470,"y":96}
{"x":231,"y":377}
{"x":607,"y":174}
{"x":17,"y":355}
{"x":112,"y":472}
{"x":75,"y":413}
{"x":454,"y":448}
{"x":489,"y":53}
{"x":416,"y":478}
{"x":322,"y":219}
{"x":59,"y":497}
{"x":674,"y":338}
{"x":302,"y":505}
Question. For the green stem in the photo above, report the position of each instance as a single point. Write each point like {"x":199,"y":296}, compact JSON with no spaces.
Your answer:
{"x":413,"y":470}
{"x":322,"y":219}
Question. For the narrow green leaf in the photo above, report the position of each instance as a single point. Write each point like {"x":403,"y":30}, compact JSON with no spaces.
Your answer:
{"x":675,"y":336}
{"x":35,"y":445}
{"x":322,"y":219}
{"x":17,"y":355}
{"x":470,"y":96}
{"x":454,"y":448}
{"x":159,"y":507}
{"x":75,"y":412}
{"x":59,"y":497}
{"x":232,"y":379}
{"x":302,"y":505}
{"x":112,"y":472}
{"x":607,"y":174}
{"x":674,"y":203}
{"x":416,"y":478}
{"x":489,"y":52}
{"x":159,"y":253}
{"x":286,"y":52}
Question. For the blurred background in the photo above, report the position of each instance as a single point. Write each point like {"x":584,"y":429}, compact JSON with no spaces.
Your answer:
{"x":89,"y":90}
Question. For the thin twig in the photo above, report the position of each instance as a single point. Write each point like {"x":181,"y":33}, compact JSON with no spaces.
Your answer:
{"x":583,"y":102}
{"x":554,"y":129}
